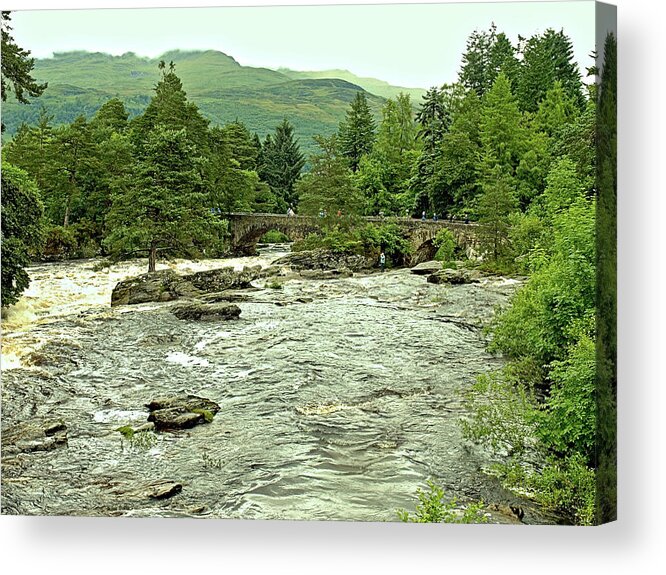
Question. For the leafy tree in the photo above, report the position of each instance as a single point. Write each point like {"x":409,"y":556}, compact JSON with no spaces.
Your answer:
{"x":329,"y":186}
{"x":111,"y":117}
{"x":22,"y":230}
{"x":16,"y":67}
{"x":548,"y":58}
{"x":165,"y":208}
{"x":280,"y":165}
{"x":357,"y":132}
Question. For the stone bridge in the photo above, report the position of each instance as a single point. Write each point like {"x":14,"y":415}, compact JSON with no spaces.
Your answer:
{"x":247,"y":228}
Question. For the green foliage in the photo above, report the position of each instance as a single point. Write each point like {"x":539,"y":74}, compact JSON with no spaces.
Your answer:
{"x":274,"y":237}
{"x":280,"y":163}
{"x":445,"y":242}
{"x":16,"y":67}
{"x":546,"y":59}
{"x":567,"y":485}
{"x":139,"y":440}
{"x":329,"y":187}
{"x":433,"y":508}
{"x":22,"y":230}
{"x":357,"y":131}
{"x":207,"y":414}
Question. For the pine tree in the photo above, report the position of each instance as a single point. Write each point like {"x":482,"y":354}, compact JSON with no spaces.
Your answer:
{"x":501,"y":132}
{"x":487,"y":55}
{"x":548,"y":58}
{"x":165,"y":207}
{"x":241,"y":144}
{"x":281,"y":162}
{"x":496,"y":204}
{"x":357,"y":131}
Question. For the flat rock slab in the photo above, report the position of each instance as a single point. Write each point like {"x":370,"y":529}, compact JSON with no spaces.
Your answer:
{"x":155,"y":489}
{"x":36,"y":435}
{"x":168,"y":285}
{"x":454,"y":277}
{"x":206,"y":311}
{"x":426,"y":268}
{"x":325,"y":260}
{"x":181,"y":412}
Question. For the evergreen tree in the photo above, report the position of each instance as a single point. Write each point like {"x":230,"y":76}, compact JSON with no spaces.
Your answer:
{"x":241,"y":144}
{"x":329,"y":186}
{"x":357,"y":131}
{"x":487,"y":55}
{"x":22,"y":230}
{"x":16,"y":66}
{"x":281,"y":162}
{"x":548,"y":58}
{"x":112,"y":117}
{"x":165,"y":207}
{"x":170,"y":108}
{"x":496,"y":204}
{"x":501,"y":132}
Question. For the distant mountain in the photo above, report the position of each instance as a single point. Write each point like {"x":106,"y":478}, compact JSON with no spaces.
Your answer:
{"x":371,"y":85}
{"x":314,"y":102}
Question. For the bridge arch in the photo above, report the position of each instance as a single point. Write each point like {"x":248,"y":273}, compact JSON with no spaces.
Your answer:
{"x":247,"y":228}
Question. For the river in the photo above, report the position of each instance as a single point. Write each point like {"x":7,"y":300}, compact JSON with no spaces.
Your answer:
{"x":338,"y":397}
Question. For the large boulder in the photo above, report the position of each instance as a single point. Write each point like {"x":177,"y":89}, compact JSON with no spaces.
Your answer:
{"x":426,"y":268}
{"x":35,"y":435}
{"x":454,"y":277}
{"x":168,"y":285}
{"x":206,"y":311}
{"x":325,"y":260}
{"x":181,"y":412}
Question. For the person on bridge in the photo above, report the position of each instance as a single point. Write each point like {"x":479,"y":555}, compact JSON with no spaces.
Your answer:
{"x":382,"y":261}
{"x":434,"y":217}
{"x":290,"y":212}
{"x":466,"y":218}
{"x":423,"y":216}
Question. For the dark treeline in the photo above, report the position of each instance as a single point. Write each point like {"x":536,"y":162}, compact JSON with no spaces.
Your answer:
{"x":511,"y":145}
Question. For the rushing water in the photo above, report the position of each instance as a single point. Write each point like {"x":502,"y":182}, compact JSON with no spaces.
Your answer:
{"x":338,"y":398}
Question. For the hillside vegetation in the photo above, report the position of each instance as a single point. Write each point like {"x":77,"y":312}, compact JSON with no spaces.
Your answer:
{"x":80,"y":82}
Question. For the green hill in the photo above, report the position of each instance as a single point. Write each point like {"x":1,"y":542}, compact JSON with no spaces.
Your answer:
{"x":371,"y":85}
{"x":80,"y":82}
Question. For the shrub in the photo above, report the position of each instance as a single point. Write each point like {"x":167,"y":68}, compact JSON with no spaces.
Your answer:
{"x":274,"y":237}
{"x":445,"y":242}
{"x":433,"y":508}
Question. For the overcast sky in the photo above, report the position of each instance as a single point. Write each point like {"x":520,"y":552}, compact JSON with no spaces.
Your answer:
{"x":412,"y":45}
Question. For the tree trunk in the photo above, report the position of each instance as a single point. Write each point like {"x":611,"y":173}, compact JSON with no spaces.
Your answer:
{"x":152,"y":257}
{"x":65,"y":223}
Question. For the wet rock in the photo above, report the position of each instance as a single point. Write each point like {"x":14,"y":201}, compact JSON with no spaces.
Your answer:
{"x":167,"y":285}
{"x":325,"y":260}
{"x":206,"y":311}
{"x":34,"y":435}
{"x":426,"y":268}
{"x":455,"y":277}
{"x":325,"y":274}
{"x":181,"y":412}
{"x":155,"y":489}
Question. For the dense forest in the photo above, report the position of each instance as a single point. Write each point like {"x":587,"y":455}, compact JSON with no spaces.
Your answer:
{"x":511,"y":146}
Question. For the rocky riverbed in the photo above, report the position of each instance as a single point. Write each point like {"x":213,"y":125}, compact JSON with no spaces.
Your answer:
{"x":334,"y":397}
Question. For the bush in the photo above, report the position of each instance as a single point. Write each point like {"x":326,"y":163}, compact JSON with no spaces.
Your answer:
{"x":60,"y":243}
{"x":445,"y":242}
{"x":433,"y":508}
{"x":274,"y":237}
